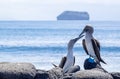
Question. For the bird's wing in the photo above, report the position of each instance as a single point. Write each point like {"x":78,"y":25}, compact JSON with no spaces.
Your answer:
{"x":74,"y":61}
{"x":62,"y":62}
{"x":84,"y":46}
{"x":98,"y":44}
{"x":97,"y":51}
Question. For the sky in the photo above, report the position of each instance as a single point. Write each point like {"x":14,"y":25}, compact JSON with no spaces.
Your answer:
{"x":101,"y":10}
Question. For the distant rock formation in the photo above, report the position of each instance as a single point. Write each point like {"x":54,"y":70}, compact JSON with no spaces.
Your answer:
{"x":73,"y":15}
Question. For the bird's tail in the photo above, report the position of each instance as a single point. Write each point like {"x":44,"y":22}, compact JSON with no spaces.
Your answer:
{"x":54,"y":65}
{"x":103,"y":61}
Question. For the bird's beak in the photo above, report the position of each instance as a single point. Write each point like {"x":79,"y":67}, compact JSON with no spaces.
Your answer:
{"x":81,"y":35}
{"x":78,"y":38}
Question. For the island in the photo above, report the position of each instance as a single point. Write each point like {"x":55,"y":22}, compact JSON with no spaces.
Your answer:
{"x":73,"y":15}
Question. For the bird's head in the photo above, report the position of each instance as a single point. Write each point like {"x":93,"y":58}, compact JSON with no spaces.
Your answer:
{"x":87,"y":29}
{"x":73,"y":41}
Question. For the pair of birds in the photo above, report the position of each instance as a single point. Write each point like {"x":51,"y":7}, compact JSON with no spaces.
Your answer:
{"x":90,"y":45}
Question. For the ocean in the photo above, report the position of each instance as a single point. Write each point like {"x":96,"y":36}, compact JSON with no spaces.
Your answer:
{"x":45,"y":42}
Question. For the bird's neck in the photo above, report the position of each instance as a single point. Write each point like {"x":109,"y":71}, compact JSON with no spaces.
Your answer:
{"x":88,"y":36}
{"x":70,"y":53}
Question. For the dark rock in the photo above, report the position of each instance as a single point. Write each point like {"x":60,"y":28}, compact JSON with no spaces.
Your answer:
{"x":41,"y":74}
{"x":67,"y":77}
{"x":17,"y":71}
{"x":74,"y":69}
{"x":89,"y":65}
{"x":73,"y":15}
{"x":95,"y":73}
{"x":115,"y":75}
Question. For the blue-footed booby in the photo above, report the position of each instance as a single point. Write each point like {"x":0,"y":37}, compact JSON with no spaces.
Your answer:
{"x":69,"y":60}
{"x":91,"y":45}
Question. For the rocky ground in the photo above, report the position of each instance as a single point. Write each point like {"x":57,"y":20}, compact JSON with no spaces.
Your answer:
{"x":28,"y":71}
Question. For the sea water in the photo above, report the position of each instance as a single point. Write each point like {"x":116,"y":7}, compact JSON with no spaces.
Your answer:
{"x":45,"y":42}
